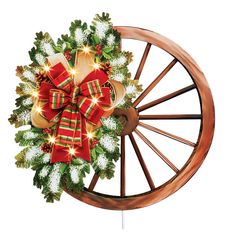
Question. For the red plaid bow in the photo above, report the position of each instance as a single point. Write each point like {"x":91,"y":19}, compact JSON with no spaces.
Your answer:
{"x":77,"y":106}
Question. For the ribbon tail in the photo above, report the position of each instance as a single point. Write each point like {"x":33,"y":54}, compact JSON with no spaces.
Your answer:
{"x":61,"y":154}
{"x":84,"y":150}
{"x":72,"y":135}
{"x":69,"y":127}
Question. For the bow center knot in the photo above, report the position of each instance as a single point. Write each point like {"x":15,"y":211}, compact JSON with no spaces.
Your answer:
{"x":74,"y":95}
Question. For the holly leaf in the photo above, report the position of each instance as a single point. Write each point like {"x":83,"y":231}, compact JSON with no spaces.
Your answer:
{"x":107,"y":49}
{"x":76,"y":161}
{"x":58,"y":49}
{"x":99,"y":134}
{"x":107,"y":56}
{"x":97,"y":59}
{"x":95,"y":39}
{"x":93,"y":153}
{"x":87,"y":169}
{"x":63,"y":167}
{"x":99,"y":149}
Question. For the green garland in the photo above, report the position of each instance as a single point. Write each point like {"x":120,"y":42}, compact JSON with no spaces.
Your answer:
{"x":104,"y":42}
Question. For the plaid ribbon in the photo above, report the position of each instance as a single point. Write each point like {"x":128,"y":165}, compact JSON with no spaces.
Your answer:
{"x":75,"y":103}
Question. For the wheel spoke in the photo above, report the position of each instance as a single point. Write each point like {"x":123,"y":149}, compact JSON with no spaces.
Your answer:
{"x":169,"y":135}
{"x":142,"y":62}
{"x":167,"y":97}
{"x":93,"y":182}
{"x":122,"y":167}
{"x":158,"y":152}
{"x":171,"y":117}
{"x":142,"y":163}
{"x":154,"y":83}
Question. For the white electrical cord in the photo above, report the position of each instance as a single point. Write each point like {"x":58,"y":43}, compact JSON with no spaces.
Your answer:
{"x":122,"y":220}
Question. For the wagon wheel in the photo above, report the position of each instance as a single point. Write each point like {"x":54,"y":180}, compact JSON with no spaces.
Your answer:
{"x":135,"y":119}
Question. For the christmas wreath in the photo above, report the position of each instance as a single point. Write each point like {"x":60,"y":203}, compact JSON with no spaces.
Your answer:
{"x":66,"y":105}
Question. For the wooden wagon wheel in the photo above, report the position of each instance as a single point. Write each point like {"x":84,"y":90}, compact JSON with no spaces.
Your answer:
{"x":134,"y":120}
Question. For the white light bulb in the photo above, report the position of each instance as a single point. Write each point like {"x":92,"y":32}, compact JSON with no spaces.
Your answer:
{"x":46,"y":68}
{"x":72,"y":151}
{"x":73,"y":71}
{"x":90,"y":135}
{"x":35,"y":94}
{"x":94,"y":100}
{"x":52,"y":139}
{"x":96,"y":66}
{"x":86,"y":49}
{"x":38,"y":109}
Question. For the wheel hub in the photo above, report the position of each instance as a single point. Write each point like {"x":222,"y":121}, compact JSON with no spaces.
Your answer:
{"x":129,"y":118}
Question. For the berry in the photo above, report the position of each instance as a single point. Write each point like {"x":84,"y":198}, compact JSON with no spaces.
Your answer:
{"x":99,"y":52}
{"x":93,"y":143}
{"x":99,"y":47}
{"x":47,"y":131}
{"x":68,"y":55}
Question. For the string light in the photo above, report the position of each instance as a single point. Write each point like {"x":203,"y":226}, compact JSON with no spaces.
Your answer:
{"x":90,"y":135}
{"x":94,"y":100}
{"x":96,"y":66}
{"x":52,"y":139}
{"x":86,"y":49}
{"x":46,"y":68}
{"x":73,"y":71}
{"x":35,"y":93}
{"x":38,"y":109}
{"x":72,"y":151}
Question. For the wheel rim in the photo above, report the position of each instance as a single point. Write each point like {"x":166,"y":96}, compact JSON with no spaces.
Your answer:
{"x":200,"y":150}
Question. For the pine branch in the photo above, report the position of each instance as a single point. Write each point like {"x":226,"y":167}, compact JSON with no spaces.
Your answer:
{"x":21,"y":162}
{"x":30,"y":137}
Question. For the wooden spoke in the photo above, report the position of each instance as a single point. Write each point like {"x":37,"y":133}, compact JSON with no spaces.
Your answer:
{"x":158,"y":152}
{"x":154,"y":83}
{"x":142,"y":163}
{"x":93,"y":182}
{"x":171,"y":117}
{"x":122,"y":167}
{"x":169,"y":135}
{"x":142,"y":62}
{"x":167,"y":97}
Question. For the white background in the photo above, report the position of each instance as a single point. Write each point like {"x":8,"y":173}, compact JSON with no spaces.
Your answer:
{"x":206,"y":204}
